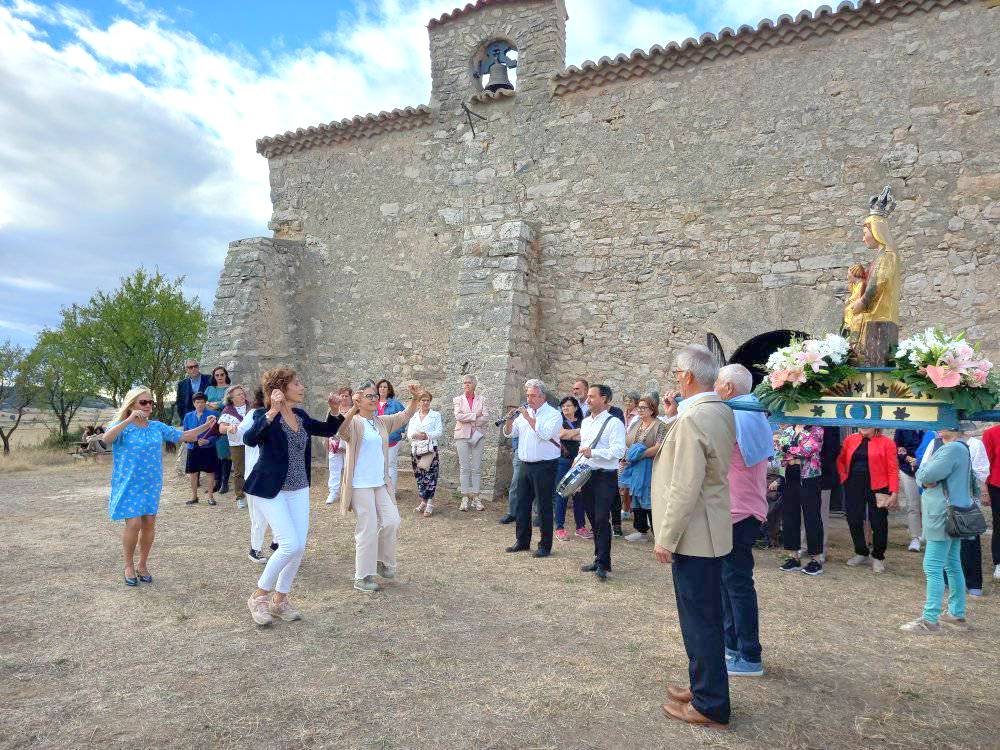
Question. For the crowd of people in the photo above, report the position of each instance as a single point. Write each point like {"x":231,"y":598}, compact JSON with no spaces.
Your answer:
{"x":700,"y":476}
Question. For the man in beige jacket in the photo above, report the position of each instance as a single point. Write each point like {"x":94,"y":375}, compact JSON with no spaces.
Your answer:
{"x":693,"y":529}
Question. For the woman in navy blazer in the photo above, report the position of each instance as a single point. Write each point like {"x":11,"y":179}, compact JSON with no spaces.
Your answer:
{"x":280,"y":484}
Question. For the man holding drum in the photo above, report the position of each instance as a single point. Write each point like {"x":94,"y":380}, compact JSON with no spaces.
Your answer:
{"x":602,"y":445}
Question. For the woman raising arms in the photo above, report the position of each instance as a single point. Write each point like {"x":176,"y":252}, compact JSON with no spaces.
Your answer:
{"x":137,"y":477}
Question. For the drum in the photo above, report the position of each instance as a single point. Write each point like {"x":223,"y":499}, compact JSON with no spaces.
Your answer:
{"x":575,"y":479}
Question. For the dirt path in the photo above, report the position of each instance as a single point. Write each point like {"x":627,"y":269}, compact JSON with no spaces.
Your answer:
{"x":470,"y":648}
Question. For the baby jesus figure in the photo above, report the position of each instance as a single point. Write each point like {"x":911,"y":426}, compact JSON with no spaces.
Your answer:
{"x":857,"y":280}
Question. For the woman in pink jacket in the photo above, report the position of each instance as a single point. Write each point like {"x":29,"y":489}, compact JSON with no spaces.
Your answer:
{"x":471,"y":417}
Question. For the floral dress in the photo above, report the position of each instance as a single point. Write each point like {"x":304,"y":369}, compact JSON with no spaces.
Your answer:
{"x":137,"y":475}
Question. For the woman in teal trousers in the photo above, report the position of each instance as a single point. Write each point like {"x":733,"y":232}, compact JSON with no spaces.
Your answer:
{"x":948,"y":470}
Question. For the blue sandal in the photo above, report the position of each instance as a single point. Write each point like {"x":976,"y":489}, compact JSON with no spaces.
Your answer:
{"x":131,"y":581}
{"x":144,"y":578}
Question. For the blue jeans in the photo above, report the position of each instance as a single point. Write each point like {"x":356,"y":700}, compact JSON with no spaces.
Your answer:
{"x":939,"y":556}
{"x":561,"y":502}
{"x":739,"y":597}
{"x":514,"y":479}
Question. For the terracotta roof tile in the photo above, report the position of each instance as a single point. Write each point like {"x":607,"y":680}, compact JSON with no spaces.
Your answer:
{"x":345,"y":130}
{"x":487,"y":96}
{"x":786,"y":30}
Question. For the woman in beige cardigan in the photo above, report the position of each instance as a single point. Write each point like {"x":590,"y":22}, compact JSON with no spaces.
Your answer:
{"x":366,"y":487}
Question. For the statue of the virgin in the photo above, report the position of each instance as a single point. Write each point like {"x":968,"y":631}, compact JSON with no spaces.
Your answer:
{"x":876,"y":314}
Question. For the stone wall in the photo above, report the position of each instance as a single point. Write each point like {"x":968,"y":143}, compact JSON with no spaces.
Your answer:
{"x":594,"y":230}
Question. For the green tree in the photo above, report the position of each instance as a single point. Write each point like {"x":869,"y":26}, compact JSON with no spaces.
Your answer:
{"x":139,"y":334}
{"x":62,"y":382}
{"x":16,"y":390}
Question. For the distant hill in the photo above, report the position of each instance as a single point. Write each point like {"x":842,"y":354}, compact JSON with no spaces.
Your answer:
{"x":90,"y":402}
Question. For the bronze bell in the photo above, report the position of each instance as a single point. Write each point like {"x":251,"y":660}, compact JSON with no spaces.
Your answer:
{"x":498,"y":78}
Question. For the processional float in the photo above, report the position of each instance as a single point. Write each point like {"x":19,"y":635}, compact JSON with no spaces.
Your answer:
{"x":863,"y":376}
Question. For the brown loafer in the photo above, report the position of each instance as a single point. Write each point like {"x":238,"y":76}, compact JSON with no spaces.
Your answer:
{"x":679,"y":694}
{"x":690,"y":715}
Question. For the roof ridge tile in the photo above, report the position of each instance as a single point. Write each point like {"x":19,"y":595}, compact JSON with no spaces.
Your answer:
{"x":767,"y":33}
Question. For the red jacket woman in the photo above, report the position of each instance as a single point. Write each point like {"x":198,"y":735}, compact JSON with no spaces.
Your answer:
{"x":883,"y":465}
{"x":867,"y":465}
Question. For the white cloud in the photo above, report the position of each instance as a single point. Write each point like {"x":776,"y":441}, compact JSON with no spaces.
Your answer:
{"x":134,"y":142}
{"x":31,"y":284}
{"x":598,"y":28}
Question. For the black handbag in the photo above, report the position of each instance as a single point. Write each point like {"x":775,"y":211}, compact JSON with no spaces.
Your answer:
{"x":963,"y":522}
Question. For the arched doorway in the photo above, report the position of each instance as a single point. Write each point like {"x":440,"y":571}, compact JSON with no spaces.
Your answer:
{"x":753,"y":354}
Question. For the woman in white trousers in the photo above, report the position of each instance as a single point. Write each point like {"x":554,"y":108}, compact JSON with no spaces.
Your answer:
{"x":280,"y":485}
{"x":471,"y":417}
{"x":367,"y":488}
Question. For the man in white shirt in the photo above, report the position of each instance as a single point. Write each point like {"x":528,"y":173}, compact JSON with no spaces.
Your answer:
{"x":536,"y":428}
{"x":602,"y":445}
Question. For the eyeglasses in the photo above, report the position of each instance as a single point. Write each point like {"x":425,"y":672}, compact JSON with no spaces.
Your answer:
{"x":191,"y":367}
{"x":371,"y":396}
{"x":144,"y":402}
{"x":643,"y":407}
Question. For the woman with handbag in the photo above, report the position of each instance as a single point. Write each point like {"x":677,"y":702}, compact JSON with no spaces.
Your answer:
{"x":869,"y":471}
{"x":972,"y":548}
{"x":423,"y":431}
{"x":471,"y":417}
{"x":949,"y":490}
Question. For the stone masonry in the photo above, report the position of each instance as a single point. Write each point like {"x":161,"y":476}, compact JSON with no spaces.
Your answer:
{"x":602,"y":216}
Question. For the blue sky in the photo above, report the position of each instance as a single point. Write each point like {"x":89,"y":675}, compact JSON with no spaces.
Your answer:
{"x":127,"y":129}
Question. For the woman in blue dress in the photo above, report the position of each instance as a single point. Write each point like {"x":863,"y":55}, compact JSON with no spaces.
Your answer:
{"x":137,"y":477}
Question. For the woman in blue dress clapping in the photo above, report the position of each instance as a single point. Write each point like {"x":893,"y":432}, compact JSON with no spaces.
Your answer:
{"x":137,"y":477}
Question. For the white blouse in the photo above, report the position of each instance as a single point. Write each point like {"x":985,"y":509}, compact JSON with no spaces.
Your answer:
{"x":431,"y":424}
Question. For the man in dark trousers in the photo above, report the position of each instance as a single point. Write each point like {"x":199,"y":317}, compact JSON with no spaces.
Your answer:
{"x":694,"y":532}
{"x":193,"y":382}
{"x":602,"y":445}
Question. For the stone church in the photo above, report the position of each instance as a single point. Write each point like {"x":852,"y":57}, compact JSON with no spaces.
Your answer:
{"x":588,"y":221}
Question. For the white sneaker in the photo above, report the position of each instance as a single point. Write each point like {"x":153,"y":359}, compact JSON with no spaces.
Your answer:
{"x":914,"y":545}
{"x":858,"y":560}
{"x":258,"y":606}
{"x":285,"y":611}
{"x":420,"y":508}
{"x":996,"y":573}
{"x":464,"y":504}
{"x":635,"y":536}
{"x":878,"y":566}
{"x":329,"y":500}
{"x":477,"y":504}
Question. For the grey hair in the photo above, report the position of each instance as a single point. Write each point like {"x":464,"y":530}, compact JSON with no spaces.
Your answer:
{"x":367,"y":383}
{"x":738,"y":376}
{"x":536,"y":383}
{"x":471,"y":377}
{"x":700,"y":362}
{"x":632,"y":396}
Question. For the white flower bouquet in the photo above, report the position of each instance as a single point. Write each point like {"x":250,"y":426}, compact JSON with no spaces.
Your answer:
{"x":804,"y":371}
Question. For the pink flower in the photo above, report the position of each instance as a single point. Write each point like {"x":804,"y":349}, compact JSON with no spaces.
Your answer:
{"x":810,"y":359}
{"x":959,"y":363}
{"x":964,"y":351}
{"x":979,"y":376}
{"x":796,"y":377}
{"x":944,"y":377}
{"x":778,"y":378}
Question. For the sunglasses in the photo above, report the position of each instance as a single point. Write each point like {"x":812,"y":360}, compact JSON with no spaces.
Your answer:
{"x":190,"y":367}
{"x":144,"y":401}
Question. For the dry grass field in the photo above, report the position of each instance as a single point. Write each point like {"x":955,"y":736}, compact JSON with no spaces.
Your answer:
{"x":468,"y":648}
